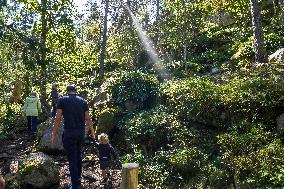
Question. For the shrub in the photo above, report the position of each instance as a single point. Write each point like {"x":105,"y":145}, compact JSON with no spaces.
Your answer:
{"x":273,"y":42}
{"x":193,"y":99}
{"x":255,"y":157}
{"x":151,"y":129}
{"x":107,"y":119}
{"x":253,"y":96}
{"x":245,"y":50}
{"x":188,"y":161}
{"x":134,"y":86}
{"x":153,"y":171}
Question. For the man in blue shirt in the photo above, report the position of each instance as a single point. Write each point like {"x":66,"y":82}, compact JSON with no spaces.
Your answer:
{"x":74,"y":110}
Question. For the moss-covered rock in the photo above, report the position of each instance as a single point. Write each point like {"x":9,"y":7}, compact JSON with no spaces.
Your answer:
{"x":136,"y":87}
{"x":44,"y":138}
{"x":107,"y":119}
{"x":39,"y":171}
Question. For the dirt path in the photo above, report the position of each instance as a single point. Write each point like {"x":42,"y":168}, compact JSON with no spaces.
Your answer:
{"x":19,"y":145}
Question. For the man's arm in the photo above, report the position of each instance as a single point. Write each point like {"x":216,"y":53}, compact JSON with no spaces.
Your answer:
{"x":56,"y":125}
{"x":90,"y":123}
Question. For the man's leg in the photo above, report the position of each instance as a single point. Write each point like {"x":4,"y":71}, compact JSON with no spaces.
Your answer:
{"x":70,"y":145}
{"x":79,"y":158}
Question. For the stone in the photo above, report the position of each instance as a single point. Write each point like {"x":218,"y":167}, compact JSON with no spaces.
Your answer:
{"x":44,"y":137}
{"x":39,"y":171}
{"x":278,"y":56}
{"x":215,"y":70}
{"x":280,"y":123}
{"x":106,"y":122}
{"x":130,"y":106}
{"x":101,"y":98}
{"x":223,"y":18}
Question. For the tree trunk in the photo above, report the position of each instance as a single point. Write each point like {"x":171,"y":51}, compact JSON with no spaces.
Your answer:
{"x":157,"y":22}
{"x":43,"y":62}
{"x":104,"y":41}
{"x":259,"y":47}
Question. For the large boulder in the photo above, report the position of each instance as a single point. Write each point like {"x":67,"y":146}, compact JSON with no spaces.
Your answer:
{"x":101,"y":98}
{"x":39,"y":171}
{"x":44,"y":137}
{"x":223,"y":18}
{"x":107,"y":120}
{"x":280,"y":123}
{"x":278,"y":56}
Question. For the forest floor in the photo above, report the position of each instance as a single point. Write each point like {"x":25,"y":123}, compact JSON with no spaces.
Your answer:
{"x":20,"y":144}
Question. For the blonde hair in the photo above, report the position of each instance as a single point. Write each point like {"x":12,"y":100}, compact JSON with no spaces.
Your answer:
{"x":103,"y":138}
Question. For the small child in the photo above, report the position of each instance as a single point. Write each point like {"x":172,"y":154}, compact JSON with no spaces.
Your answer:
{"x":106,"y":155}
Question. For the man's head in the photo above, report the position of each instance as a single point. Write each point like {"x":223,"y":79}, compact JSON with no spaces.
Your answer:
{"x":71,"y":89}
{"x":54,"y":86}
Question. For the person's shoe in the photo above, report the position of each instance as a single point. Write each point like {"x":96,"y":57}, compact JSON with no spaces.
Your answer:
{"x":70,"y":187}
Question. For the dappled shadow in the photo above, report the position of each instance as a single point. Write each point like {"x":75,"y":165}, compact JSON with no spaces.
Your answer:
{"x":19,"y":144}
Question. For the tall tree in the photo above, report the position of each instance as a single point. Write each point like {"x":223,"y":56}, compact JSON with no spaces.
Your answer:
{"x":43,"y":51}
{"x":157,"y":21}
{"x":259,"y":47}
{"x":104,"y":41}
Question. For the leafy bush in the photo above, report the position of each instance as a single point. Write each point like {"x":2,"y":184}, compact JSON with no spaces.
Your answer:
{"x":253,"y":96}
{"x":273,"y":42}
{"x":245,"y":49}
{"x":193,"y":99}
{"x":189,"y":161}
{"x":211,"y":47}
{"x":107,"y":119}
{"x":255,"y":157}
{"x":216,"y":177}
{"x":153,"y":171}
{"x":133,"y":86}
{"x":151,"y":129}
{"x":201,"y":100}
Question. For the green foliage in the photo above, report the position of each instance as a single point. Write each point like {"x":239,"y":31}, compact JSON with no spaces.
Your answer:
{"x":192,"y":99}
{"x":273,"y":42}
{"x":29,"y":166}
{"x":216,"y":177}
{"x":107,"y":119}
{"x":134,"y":86}
{"x":253,"y":96}
{"x":153,"y":172}
{"x":179,"y":123}
{"x":245,"y":51}
{"x":201,"y":100}
{"x":253,"y":155}
{"x":189,"y":161}
{"x":153,"y":129}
